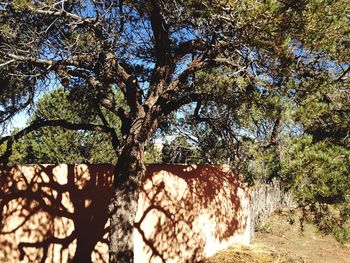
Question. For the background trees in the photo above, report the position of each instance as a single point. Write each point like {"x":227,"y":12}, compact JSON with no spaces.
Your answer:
{"x":58,"y":145}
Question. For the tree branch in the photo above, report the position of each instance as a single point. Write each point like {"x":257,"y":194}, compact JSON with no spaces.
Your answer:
{"x":161,"y":35}
{"x":115,"y":140}
{"x":343,"y":74}
{"x":164,"y":66}
{"x":47,"y":123}
{"x":77,"y":61}
{"x":61,"y":13}
{"x":189,"y":47}
{"x":56,"y":123}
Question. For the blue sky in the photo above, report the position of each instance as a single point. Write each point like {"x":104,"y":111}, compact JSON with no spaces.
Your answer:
{"x":19,"y":121}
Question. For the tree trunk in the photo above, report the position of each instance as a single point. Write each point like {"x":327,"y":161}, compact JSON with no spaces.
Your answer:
{"x":122,"y":209}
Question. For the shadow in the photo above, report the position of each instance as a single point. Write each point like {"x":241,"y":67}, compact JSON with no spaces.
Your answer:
{"x":188,"y":212}
{"x":58,"y":213}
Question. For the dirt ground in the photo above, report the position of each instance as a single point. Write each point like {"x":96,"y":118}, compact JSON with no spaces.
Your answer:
{"x":281,"y":240}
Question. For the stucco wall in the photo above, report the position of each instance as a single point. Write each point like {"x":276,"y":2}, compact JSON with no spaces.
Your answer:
{"x":184,"y":213}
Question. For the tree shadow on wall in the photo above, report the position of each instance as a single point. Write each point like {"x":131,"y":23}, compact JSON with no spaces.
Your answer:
{"x":188,"y":212}
{"x":58,"y":213}
{"x":54,"y":213}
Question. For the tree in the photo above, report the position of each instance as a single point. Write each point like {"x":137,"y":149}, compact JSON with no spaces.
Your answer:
{"x":58,"y":145}
{"x":315,"y":161}
{"x":156,"y":53}
{"x":17,"y":155}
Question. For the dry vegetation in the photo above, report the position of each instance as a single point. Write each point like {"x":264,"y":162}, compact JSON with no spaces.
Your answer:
{"x":254,"y":254}
{"x":281,"y":240}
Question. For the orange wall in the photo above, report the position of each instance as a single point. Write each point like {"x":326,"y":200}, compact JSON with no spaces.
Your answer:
{"x":185,"y":212}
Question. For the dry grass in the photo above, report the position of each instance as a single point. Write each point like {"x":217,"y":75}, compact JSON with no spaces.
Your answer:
{"x":250,"y":254}
{"x":281,"y":240}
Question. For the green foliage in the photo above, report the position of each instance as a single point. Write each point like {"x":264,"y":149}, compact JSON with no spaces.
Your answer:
{"x":290,"y":120}
{"x":291,"y":219}
{"x":18,"y":150}
{"x":21,"y":4}
{"x":319,"y":172}
{"x":58,"y":145}
{"x":341,"y":234}
{"x":153,"y":154}
{"x":264,"y":228}
{"x":319,"y":175}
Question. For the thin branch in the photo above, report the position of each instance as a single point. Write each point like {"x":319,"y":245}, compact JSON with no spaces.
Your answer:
{"x":115,"y":140}
{"x":7,"y":62}
{"x":343,"y":74}
{"x":54,"y":123}
{"x":189,"y":47}
{"x":44,"y":62}
{"x":71,"y":61}
{"x":47,"y":123}
{"x":62,"y":13}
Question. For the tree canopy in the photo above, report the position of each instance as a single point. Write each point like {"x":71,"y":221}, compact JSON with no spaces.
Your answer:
{"x":58,"y":145}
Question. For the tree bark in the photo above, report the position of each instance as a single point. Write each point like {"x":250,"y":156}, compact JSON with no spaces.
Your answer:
{"x":122,"y":209}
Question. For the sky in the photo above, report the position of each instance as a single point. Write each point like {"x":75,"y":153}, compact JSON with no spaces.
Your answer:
{"x":19,"y":121}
